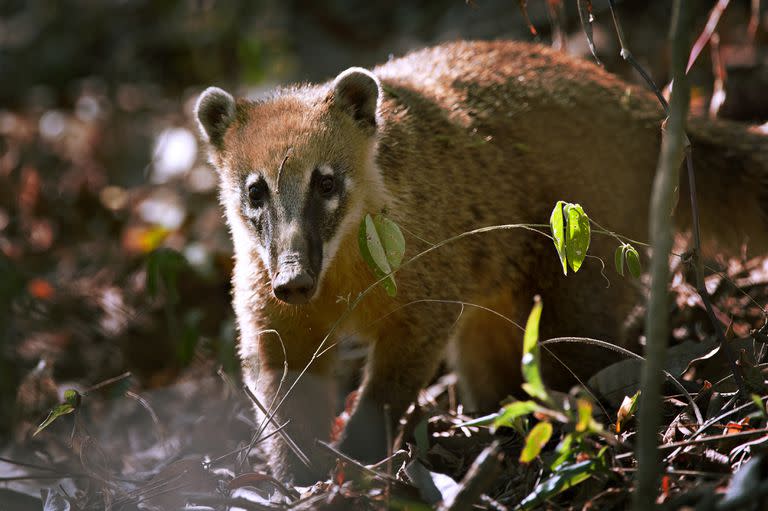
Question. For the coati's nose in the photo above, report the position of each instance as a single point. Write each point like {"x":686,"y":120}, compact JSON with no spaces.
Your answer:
{"x":293,"y":285}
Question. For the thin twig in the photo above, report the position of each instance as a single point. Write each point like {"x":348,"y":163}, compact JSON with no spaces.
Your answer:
{"x":629,"y":354}
{"x":245,"y":447}
{"x":716,"y":420}
{"x":586,"y":17}
{"x":155,"y":420}
{"x":695,"y":259}
{"x":156,"y":488}
{"x":627,"y":55}
{"x":582,"y":383}
{"x":233,"y":502}
{"x":718,"y":69}
{"x":673,"y":471}
{"x":700,"y":285}
{"x":272,"y":408}
{"x":283,"y":434}
{"x":267,"y":417}
{"x":396,"y":458}
{"x":332,"y":451}
{"x":109,"y":381}
{"x":625,"y":239}
{"x":253,"y":478}
{"x":27,"y":465}
{"x":706,"y":34}
{"x":714,"y":438}
{"x":657,"y":323}
{"x":480,"y":476}
{"x":280,"y":169}
{"x":42,"y":477}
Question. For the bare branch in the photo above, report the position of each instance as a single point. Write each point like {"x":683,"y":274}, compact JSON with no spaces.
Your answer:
{"x":657,"y":325}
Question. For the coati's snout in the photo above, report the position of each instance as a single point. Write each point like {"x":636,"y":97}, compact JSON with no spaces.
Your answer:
{"x":294,"y":278}
{"x":293,"y":285}
{"x":294,"y":260}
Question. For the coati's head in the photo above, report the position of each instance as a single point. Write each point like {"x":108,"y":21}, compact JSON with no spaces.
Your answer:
{"x":288,"y":166}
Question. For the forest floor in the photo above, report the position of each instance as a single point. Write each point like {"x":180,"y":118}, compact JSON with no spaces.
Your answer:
{"x":164,"y":424}
{"x":114,"y":284}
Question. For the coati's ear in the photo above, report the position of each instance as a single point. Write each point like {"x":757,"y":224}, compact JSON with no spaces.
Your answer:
{"x":215,"y":111}
{"x":357,"y":91}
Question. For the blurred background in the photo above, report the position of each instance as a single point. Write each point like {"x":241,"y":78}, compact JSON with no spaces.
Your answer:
{"x":113,"y":254}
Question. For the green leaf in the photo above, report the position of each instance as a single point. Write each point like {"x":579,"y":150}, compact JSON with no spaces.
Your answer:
{"x":421,"y":434}
{"x":577,"y":235}
{"x":627,"y":253}
{"x":759,"y":404}
{"x":72,"y":399}
{"x":485,"y":420}
{"x":382,"y":246}
{"x":531,"y":370}
{"x":531,"y":336}
{"x":585,"y":415}
{"x":567,"y":476}
{"x":633,"y":261}
{"x":571,"y":234}
{"x":557,"y":224}
{"x":508,"y":416}
{"x":163,"y":268}
{"x":190,"y":335}
{"x":564,"y":450}
{"x":618,"y":259}
{"x":535,"y":441}
{"x":626,"y":410}
{"x":392,"y":239}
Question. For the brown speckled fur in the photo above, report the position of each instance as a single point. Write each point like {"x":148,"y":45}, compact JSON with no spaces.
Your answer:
{"x":469,"y":135}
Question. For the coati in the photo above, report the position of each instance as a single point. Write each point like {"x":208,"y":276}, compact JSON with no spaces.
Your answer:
{"x":443,"y":140}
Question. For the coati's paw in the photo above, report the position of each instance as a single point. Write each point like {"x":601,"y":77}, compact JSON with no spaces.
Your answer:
{"x":364,"y":438}
{"x":297,"y":476}
{"x":287,"y":467}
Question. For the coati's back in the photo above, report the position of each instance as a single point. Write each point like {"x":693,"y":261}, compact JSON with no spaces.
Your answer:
{"x":477,"y":134}
{"x":510,"y":127}
{"x":565,"y":129}
{"x":482,"y":133}
{"x":444,"y":140}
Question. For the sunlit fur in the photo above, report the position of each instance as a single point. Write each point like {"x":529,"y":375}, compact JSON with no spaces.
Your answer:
{"x":467,"y":135}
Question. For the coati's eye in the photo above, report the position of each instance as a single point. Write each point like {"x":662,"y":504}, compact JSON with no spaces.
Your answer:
{"x":326,"y":185}
{"x":257,"y":193}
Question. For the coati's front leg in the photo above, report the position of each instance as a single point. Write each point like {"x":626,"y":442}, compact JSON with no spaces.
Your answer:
{"x":402,"y":361}
{"x":309,"y":406}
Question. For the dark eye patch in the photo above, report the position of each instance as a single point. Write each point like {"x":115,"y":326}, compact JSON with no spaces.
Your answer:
{"x":258,"y":193}
{"x":256,"y":207}
{"x":326,"y":185}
